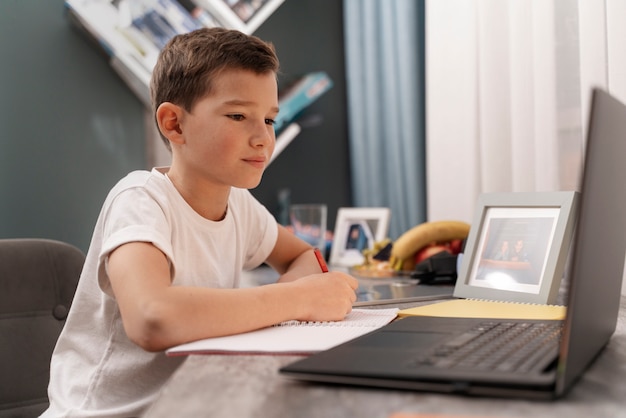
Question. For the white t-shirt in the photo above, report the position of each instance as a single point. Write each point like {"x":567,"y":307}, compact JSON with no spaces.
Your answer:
{"x":96,"y":370}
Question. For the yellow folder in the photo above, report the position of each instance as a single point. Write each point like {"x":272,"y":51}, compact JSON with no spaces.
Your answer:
{"x":475,"y":308}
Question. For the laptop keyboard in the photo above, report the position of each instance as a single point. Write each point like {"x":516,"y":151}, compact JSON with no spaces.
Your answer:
{"x":494,"y":345}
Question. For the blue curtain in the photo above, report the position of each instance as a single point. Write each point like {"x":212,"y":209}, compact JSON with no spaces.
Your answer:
{"x":385,"y":82}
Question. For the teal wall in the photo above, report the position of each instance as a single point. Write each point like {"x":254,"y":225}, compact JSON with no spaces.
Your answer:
{"x":308,"y":36}
{"x":69,"y":127}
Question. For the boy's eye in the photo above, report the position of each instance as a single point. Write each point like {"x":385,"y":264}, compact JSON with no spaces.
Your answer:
{"x":239,"y":117}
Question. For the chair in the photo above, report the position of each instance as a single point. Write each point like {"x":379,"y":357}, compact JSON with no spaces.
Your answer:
{"x":38,"y":278}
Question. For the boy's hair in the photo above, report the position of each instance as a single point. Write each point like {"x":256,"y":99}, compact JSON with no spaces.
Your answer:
{"x":188,"y":63}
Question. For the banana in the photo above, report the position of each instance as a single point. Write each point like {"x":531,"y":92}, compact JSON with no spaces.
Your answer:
{"x":416,"y":238}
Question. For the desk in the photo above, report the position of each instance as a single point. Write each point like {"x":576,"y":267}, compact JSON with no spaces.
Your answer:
{"x":250,"y":386}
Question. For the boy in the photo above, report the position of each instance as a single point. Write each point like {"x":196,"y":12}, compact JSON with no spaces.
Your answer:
{"x":169,"y":245}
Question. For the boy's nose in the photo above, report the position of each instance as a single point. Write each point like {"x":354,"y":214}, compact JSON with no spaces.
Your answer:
{"x":263,"y":135}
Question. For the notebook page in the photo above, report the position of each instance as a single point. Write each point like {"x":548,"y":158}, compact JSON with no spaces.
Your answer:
{"x":292,"y":337}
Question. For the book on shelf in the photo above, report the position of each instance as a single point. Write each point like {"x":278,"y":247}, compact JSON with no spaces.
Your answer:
{"x":131,"y":54}
{"x":299,"y":95}
{"x":243,"y":15}
{"x":203,"y":16}
{"x":292,"y":101}
{"x":292,"y":337}
{"x":158,"y":20}
{"x":132,"y":32}
{"x":285,"y":137}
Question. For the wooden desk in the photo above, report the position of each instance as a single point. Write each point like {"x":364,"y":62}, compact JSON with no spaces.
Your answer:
{"x":250,"y":386}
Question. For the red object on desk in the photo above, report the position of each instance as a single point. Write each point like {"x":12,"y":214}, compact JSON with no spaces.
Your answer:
{"x":320,"y":260}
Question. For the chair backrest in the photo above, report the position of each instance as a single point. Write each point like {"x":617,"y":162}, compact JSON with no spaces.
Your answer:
{"x":38,"y":278}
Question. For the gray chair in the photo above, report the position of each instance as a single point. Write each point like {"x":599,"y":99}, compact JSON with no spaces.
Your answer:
{"x":38,"y":278}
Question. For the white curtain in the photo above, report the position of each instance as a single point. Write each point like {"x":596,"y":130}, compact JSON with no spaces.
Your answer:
{"x":508,"y":88}
{"x":384,"y":73}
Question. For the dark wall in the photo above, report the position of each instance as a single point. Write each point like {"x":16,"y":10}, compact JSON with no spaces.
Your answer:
{"x":70,"y":127}
{"x":308,"y":36}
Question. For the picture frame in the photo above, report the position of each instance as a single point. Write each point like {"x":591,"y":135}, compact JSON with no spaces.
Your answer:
{"x":517,"y":247}
{"x":355,"y":230}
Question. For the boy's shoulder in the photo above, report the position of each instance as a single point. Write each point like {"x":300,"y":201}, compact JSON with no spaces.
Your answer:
{"x":139,"y":179}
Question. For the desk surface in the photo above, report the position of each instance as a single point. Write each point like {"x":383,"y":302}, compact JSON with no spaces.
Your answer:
{"x":250,"y":386}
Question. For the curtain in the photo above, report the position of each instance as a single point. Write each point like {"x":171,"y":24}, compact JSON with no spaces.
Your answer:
{"x":515,"y":105}
{"x":508,"y":89}
{"x":385,"y":83}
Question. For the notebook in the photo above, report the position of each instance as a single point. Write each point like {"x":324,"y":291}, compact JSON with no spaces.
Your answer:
{"x":292,"y":337}
{"x":404,"y":354}
{"x":494,"y":309}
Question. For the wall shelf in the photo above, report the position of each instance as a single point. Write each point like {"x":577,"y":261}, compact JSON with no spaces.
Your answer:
{"x":131,"y":34}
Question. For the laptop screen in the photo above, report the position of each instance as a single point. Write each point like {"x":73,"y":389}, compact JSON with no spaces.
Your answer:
{"x":598,"y":256}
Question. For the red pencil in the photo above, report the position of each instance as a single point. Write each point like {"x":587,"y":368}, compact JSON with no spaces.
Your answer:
{"x":320,"y":260}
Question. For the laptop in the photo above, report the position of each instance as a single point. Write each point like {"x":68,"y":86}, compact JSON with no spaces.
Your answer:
{"x":418,"y":353}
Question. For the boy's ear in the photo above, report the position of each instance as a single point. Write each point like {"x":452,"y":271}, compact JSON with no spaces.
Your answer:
{"x":169,"y":117}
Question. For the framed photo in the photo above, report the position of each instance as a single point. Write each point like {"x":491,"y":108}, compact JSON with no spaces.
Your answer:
{"x":357,"y":229}
{"x":517,"y":247}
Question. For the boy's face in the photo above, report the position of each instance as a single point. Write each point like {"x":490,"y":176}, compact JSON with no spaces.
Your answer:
{"x":229,"y":134}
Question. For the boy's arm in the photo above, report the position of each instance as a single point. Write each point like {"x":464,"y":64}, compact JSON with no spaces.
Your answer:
{"x":292,"y":257}
{"x":157,"y":315}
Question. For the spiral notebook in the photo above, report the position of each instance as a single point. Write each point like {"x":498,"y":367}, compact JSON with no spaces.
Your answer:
{"x":292,"y":337}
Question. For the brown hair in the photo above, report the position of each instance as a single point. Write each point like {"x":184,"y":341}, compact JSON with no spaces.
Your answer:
{"x":188,"y":63}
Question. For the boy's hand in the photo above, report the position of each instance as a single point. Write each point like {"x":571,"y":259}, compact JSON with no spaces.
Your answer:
{"x":327,"y":296}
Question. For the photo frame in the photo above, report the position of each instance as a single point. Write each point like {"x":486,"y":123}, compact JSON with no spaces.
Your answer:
{"x":517,"y":247}
{"x":355,"y":230}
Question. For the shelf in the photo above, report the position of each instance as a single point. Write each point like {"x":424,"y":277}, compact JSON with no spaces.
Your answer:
{"x":132,"y":61}
{"x":248,"y":18}
{"x":132,"y":53}
{"x":132,"y":32}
